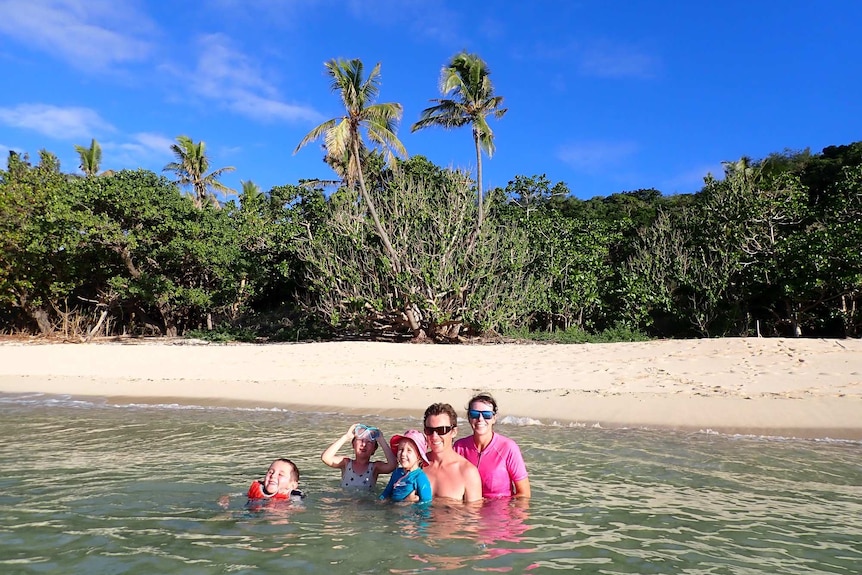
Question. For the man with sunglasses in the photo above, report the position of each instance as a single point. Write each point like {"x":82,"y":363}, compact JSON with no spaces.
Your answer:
{"x":451,"y":476}
{"x":498,"y":458}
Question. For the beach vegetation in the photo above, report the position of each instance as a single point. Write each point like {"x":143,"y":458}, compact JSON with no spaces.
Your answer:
{"x":429,"y":213}
{"x":223,"y":334}
{"x":469,"y":99}
{"x":38,"y":242}
{"x":192,"y":169}
{"x":164,"y":263}
{"x":91,"y":158}
{"x":569,"y":266}
{"x":576,"y":334}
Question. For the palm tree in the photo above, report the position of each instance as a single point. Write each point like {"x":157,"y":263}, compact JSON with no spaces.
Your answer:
{"x":251,"y":190}
{"x":90,"y":158}
{"x":251,"y":196}
{"x":467,"y":79}
{"x":342,"y":137}
{"x":744,"y":170}
{"x":191,"y":170}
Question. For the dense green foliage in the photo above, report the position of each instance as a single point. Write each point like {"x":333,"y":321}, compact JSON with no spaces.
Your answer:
{"x":773,"y":247}
{"x":443,"y":281}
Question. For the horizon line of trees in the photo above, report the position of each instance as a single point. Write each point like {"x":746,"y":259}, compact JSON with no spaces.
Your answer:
{"x":773,"y":248}
{"x":406,"y":249}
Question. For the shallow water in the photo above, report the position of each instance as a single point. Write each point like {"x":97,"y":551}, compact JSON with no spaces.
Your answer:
{"x":101,"y":489}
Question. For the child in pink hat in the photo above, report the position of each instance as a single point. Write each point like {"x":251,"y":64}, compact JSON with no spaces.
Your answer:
{"x":408,"y":481}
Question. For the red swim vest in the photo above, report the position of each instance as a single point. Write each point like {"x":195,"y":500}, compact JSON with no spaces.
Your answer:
{"x":256,"y":492}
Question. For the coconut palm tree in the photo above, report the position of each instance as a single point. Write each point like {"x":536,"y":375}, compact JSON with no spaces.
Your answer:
{"x":251,"y":190}
{"x":342,"y":137}
{"x":191,"y":170}
{"x":466,"y":78}
{"x":90,"y":158}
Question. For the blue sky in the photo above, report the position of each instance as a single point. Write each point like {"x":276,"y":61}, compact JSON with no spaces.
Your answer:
{"x":604,"y":95}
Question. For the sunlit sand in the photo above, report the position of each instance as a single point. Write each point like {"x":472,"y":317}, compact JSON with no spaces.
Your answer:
{"x":787,"y":387}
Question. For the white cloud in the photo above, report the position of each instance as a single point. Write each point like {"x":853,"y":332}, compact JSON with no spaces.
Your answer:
{"x":264,"y":109}
{"x":89,"y":34}
{"x":151,"y":143}
{"x":55,"y":122}
{"x":144,"y":149}
{"x":429,"y":19}
{"x":592,"y":157}
{"x":598,"y":58}
{"x":220,"y":67}
{"x":228,"y":76}
{"x":612,"y":60}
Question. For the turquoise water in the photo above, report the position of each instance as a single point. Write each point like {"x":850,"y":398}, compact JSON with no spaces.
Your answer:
{"x":99,"y":489}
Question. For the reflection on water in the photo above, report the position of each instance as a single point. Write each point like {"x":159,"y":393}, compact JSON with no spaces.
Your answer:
{"x":98,"y":489}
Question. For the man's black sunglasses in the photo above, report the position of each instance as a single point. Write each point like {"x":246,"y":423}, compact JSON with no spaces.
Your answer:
{"x":439,"y":430}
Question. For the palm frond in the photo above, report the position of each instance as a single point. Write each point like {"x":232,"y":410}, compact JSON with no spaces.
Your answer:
{"x":383,"y":134}
{"x":315,"y":134}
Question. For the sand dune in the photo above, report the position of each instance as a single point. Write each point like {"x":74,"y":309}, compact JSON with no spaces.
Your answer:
{"x":790,"y":387}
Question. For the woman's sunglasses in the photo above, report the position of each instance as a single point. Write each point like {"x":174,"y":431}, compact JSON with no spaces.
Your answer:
{"x":475,"y":413}
{"x":439,"y":430}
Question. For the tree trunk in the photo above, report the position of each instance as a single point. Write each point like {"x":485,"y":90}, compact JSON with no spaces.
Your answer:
{"x":481,"y":215}
{"x":36,"y":313}
{"x":414,"y":320}
{"x":168,"y":320}
{"x":98,"y":325}
{"x":384,"y":237}
{"x":40,"y":316}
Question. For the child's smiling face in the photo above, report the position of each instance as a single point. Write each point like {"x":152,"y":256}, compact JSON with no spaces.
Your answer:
{"x":364,"y":448}
{"x":407,"y":454}
{"x":279,"y":478}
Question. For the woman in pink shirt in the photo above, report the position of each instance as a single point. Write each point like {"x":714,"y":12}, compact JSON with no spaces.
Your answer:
{"x":498,"y":458}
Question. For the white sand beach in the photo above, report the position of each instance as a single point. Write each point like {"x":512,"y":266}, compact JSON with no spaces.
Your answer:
{"x":783,"y":387}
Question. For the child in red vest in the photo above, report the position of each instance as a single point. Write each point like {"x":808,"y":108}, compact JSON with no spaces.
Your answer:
{"x":281,"y":482}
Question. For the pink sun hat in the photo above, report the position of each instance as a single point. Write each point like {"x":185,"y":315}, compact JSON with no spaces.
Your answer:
{"x":418,"y":440}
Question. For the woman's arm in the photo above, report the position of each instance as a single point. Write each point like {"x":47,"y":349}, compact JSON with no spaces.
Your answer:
{"x":517,"y":468}
{"x":522,"y":488}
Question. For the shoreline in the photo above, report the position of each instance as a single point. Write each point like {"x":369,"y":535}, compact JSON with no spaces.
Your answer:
{"x":790,"y":431}
{"x":752,"y":386}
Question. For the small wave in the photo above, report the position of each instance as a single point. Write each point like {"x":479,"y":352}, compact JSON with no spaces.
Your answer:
{"x":784,"y":438}
{"x":41,"y":399}
{"x":184,"y":407}
{"x":522,"y":421}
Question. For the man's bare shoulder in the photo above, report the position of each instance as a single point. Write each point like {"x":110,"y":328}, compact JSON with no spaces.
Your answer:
{"x":463,"y":465}
{"x":467,"y":468}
